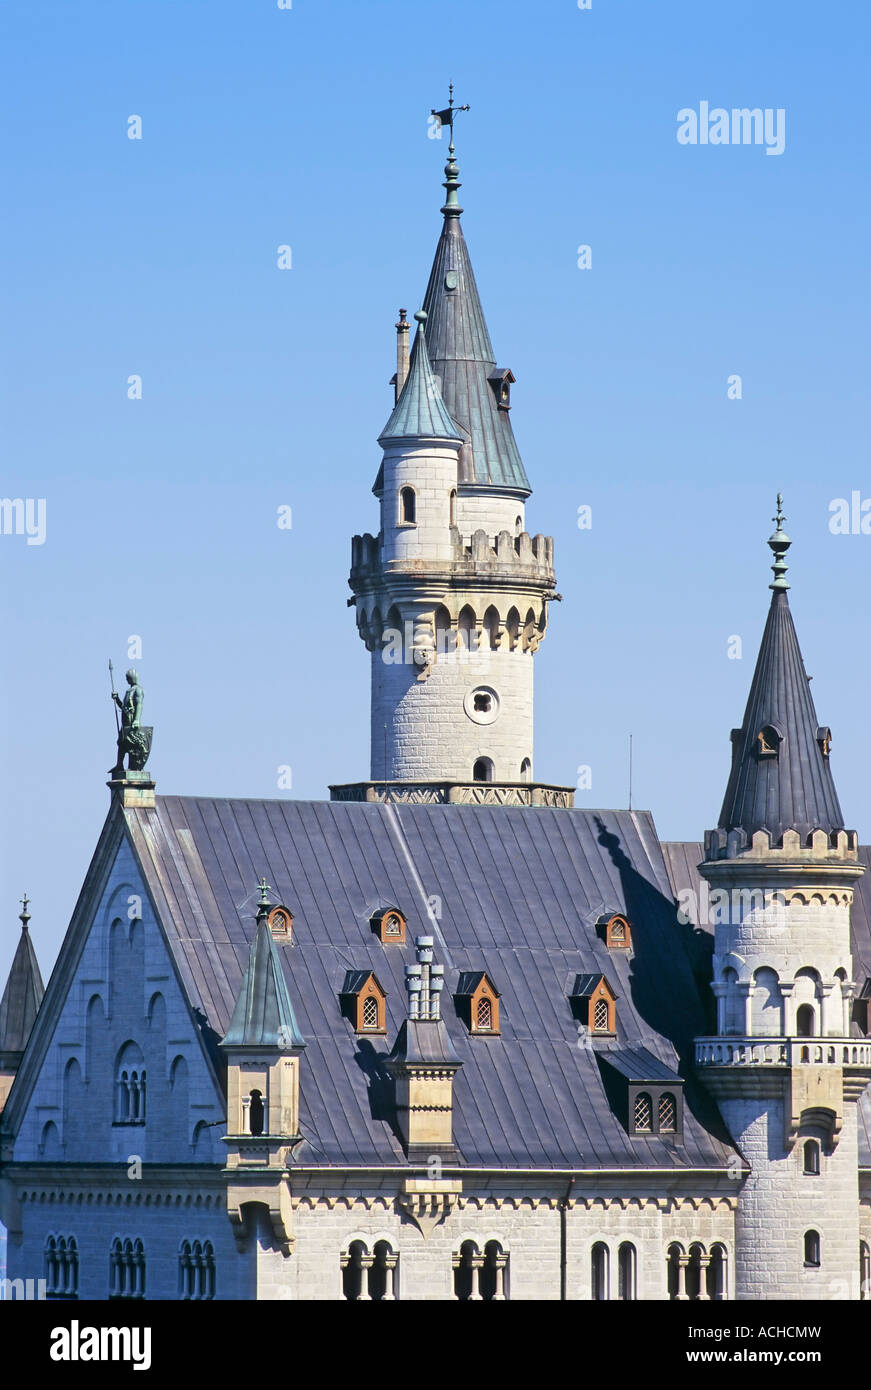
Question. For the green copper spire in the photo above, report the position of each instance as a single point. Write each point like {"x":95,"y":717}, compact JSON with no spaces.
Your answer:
{"x":780,"y":544}
{"x":452,"y":183}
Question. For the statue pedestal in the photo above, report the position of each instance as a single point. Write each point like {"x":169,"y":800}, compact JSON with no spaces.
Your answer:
{"x":133,"y":789}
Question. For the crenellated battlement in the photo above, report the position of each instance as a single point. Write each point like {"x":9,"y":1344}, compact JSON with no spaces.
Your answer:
{"x":521,"y":557}
{"x":819,"y":845}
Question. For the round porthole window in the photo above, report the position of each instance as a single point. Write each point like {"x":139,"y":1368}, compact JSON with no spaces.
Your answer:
{"x":482,"y":704}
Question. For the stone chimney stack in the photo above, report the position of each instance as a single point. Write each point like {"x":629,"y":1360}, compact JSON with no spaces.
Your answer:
{"x":423,"y":1062}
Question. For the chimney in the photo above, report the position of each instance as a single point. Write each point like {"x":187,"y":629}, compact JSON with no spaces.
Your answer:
{"x":423,"y":1062}
{"x":402,"y":353}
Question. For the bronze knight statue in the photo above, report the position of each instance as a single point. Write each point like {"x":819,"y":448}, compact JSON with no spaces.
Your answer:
{"x":134,"y":738}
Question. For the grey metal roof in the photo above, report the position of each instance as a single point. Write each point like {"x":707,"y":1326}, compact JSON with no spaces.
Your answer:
{"x":462,"y":358}
{"x":263,"y":1014}
{"x":21,"y":999}
{"x":637,"y":1064}
{"x":513,"y":891}
{"x":793,"y":789}
{"x":420,"y":412}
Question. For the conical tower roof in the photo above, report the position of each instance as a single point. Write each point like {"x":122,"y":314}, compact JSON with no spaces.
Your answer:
{"x":781,"y":776}
{"x":263,"y":1015}
{"x":462,"y":355}
{"x":21,"y":998}
{"x":420,"y":412}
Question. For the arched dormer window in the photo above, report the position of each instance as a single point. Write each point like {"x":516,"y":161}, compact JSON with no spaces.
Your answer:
{"x":768,"y":741}
{"x":812,"y":1157}
{"x":407,"y":506}
{"x":812,"y":1249}
{"x":667,"y":1113}
{"x":643,"y":1113}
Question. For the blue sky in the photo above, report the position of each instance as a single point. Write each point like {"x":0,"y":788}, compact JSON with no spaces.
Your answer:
{"x":261,"y":388}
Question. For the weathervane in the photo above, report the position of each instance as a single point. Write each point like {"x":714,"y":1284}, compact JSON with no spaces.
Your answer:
{"x":446,"y":117}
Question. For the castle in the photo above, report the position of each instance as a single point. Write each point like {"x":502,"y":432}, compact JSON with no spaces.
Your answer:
{"x":446,"y":1036}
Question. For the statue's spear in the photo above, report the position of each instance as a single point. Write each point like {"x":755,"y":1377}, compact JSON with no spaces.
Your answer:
{"x":114,"y":701}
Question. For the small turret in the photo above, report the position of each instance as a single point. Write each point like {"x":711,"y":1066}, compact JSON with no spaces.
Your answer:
{"x":19,"y":1004}
{"x":263,"y":1046}
{"x":783,"y":1065}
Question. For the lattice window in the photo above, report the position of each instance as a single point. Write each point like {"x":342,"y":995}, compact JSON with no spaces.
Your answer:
{"x":618,"y":931}
{"x":393,"y":926}
{"x":370,"y":1012}
{"x":600,"y":1016}
{"x":643,"y":1113}
{"x":667,"y":1113}
{"x":485,"y":1012}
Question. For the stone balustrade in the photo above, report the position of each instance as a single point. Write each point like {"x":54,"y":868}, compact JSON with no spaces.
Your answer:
{"x":781,"y":1052}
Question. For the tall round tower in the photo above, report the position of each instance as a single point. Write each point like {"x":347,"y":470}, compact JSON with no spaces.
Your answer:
{"x":452,"y":594}
{"x":784,"y":1067}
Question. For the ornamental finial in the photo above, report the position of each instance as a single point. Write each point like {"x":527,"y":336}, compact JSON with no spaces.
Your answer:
{"x":264,"y":904}
{"x":452,"y":183}
{"x":779,"y":543}
{"x":24,"y":915}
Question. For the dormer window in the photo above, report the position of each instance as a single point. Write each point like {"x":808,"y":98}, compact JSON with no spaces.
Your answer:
{"x":478,"y":1002}
{"x":594,"y":1003}
{"x":407,"y":506}
{"x":768,"y":741}
{"x":364,"y":1002}
{"x":646,"y":1094}
{"x":280,"y":922}
{"x":389,"y":926}
{"x":616,"y":931}
{"x":501,"y":380}
{"x":824,"y":740}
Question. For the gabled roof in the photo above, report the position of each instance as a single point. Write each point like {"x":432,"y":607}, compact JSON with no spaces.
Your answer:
{"x":420,"y":412}
{"x":584,"y":985}
{"x":263,"y":1014}
{"x":21,"y":998}
{"x":355,"y":980}
{"x":533,"y":1098}
{"x":462,"y":356}
{"x":792,"y":788}
{"x":469,"y":981}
